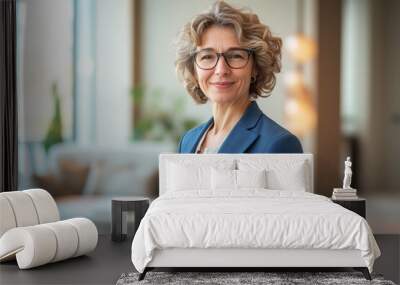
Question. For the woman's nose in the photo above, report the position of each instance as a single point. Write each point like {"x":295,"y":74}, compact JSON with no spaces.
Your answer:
{"x":222,"y":67}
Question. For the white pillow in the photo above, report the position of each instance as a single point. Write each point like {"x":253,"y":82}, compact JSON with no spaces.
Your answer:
{"x":289,"y":175}
{"x":237,"y":179}
{"x":223,"y":179}
{"x":182,"y":178}
{"x":251,"y":178}
{"x":292,"y":179}
{"x":193,"y":174}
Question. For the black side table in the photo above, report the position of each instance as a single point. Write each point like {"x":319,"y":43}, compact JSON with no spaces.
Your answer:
{"x":356,"y":205}
{"x":127,"y":212}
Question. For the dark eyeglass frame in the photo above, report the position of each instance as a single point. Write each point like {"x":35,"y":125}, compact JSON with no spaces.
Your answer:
{"x":219,"y":54}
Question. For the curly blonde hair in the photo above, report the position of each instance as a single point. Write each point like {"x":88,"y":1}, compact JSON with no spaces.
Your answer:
{"x":251,"y":33}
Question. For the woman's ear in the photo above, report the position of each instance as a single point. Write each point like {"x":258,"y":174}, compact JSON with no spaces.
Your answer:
{"x":253,"y":78}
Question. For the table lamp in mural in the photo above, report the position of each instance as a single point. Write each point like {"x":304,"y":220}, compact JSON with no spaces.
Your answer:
{"x":299,"y":110}
{"x":347,"y":192}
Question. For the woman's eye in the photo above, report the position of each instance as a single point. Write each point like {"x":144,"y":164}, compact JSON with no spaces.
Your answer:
{"x":207,"y":56}
{"x":235,"y":56}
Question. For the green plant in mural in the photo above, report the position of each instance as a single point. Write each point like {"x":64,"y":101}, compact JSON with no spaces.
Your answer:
{"x":157,"y":121}
{"x":55,"y":129}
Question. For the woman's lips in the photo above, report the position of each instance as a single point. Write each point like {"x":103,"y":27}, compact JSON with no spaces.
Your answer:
{"x":222,"y":84}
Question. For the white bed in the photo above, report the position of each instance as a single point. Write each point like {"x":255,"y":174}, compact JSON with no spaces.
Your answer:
{"x":247,"y":210}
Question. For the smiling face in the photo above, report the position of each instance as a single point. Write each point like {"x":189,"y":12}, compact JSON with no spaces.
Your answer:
{"x":223,"y":84}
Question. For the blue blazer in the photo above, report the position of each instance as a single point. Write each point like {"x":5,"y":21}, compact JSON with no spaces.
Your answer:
{"x":253,"y":133}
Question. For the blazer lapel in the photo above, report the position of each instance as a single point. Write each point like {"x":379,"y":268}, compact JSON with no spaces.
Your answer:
{"x":241,"y":136}
{"x":193,"y":142}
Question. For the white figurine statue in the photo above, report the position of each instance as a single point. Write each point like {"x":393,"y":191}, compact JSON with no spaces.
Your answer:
{"x":347,"y":174}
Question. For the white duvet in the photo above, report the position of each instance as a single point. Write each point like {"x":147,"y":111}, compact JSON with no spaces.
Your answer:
{"x":252,"y":218}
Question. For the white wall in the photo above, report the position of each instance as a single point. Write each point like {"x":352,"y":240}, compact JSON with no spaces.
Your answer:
{"x":113,"y":72}
{"x":356,"y":62}
{"x":162,"y":21}
{"x":104,"y":72}
{"x":85,"y":80}
{"x":46,"y":57}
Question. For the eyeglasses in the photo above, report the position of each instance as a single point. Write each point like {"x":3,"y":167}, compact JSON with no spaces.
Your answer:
{"x":235,"y":58}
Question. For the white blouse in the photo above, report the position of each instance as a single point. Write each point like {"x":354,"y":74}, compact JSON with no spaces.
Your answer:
{"x":208,"y":149}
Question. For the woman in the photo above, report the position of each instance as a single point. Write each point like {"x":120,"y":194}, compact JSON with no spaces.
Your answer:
{"x":229,"y":57}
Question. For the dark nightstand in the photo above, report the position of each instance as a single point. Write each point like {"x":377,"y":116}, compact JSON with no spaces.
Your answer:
{"x":127,"y":212}
{"x":356,"y":205}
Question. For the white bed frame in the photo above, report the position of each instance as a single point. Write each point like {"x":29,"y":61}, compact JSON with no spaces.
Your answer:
{"x":242,"y":258}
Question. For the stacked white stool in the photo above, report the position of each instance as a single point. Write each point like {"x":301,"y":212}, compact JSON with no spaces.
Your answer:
{"x":31,"y":230}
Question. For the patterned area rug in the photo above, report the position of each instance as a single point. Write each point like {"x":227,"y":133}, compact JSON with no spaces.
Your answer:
{"x":229,"y":278}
